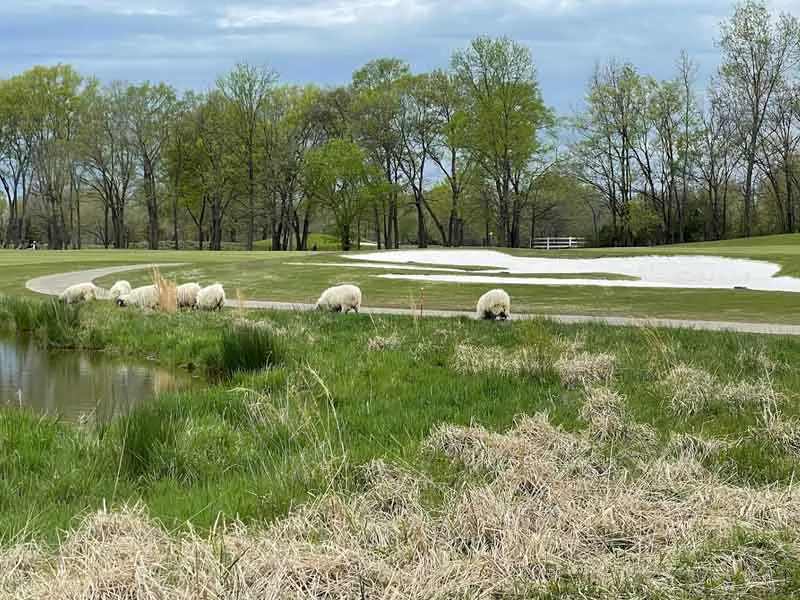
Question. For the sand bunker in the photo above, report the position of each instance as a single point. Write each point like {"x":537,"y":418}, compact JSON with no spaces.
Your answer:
{"x":692,"y":272}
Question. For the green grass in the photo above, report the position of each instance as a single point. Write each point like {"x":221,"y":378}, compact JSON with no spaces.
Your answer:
{"x":268,"y":276}
{"x":264,"y":441}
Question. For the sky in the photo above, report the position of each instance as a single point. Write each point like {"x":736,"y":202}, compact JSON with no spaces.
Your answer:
{"x":188,"y":43}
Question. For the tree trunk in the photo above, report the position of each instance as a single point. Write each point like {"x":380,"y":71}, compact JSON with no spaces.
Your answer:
{"x":422,"y":242}
{"x":251,"y":200}
{"x":152,"y":205}
{"x":377,"y":226}
{"x":748,"y":196}
{"x":345,"y":234}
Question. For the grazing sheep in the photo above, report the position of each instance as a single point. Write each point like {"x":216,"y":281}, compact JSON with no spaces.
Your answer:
{"x":211,"y":297}
{"x":493,"y":304}
{"x":187,"y":295}
{"x":79,"y":292}
{"x":144,"y":297}
{"x":340,"y":298}
{"x":121,"y":288}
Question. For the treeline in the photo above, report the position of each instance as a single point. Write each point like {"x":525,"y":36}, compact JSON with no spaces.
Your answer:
{"x":468,"y":154}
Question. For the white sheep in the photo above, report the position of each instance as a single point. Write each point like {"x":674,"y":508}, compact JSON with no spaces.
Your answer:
{"x":211,"y":297}
{"x":145,"y":297}
{"x":120,"y":288}
{"x":187,"y":294}
{"x":340,"y":298}
{"x":493,"y":304}
{"x":79,"y":292}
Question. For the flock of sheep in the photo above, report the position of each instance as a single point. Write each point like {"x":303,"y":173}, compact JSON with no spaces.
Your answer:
{"x":344,"y":298}
{"x":341,"y":298}
{"x":188,"y":295}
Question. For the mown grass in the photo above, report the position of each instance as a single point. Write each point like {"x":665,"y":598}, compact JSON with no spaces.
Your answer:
{"x":269,"y":276}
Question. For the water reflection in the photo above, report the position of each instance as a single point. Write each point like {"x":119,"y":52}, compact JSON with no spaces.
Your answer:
{"x":77,"y":384}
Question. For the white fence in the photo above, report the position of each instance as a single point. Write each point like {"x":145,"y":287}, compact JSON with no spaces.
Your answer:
{"x":558,"y":243}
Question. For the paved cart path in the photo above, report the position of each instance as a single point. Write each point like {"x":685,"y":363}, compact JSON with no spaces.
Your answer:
{"x":54,"y":284}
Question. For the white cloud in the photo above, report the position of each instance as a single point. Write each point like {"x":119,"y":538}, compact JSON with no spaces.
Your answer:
{"x":325,"y":14}
{"x":115,"y":7}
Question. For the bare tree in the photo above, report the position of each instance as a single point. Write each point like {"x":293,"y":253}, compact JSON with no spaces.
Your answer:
{"x":758,"y":53}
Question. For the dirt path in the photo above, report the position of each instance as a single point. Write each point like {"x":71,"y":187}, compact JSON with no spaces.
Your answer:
{"x":54,"y":284}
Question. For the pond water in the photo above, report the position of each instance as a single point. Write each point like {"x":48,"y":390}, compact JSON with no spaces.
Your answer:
{"x":75,"y":384}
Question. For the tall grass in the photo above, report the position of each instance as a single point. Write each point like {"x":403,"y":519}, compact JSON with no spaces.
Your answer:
{"x":245,"y":348}
{"x":56,"y":322}
{"x":167,"y":293}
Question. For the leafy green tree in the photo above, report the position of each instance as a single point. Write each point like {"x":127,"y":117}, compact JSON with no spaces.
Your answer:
{"x":506,"y":116}
{"x":377,"y":111}
{"x":345,"y":183}
{"x":449,"y":148}
{"x":16,"y":147}
{"x":246,"y":90}
{"x":152,"y":110}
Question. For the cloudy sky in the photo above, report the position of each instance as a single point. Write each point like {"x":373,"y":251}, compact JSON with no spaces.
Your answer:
{"x":189,"y":42}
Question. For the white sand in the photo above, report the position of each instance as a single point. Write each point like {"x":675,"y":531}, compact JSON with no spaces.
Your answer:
{"x":380,"y":266}
{"x":692,"y":272}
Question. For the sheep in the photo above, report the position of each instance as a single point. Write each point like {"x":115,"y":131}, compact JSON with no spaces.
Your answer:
{"x":79,"y":292}
{"x":146,"y":297}
{"x":340,"y":298}
{"x":121,"y":288}
{"x":493,"y":304}
{"x":211,"y":297}
{"x":187,"y":295}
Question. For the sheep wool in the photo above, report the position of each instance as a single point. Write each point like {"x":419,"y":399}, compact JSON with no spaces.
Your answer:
{"x":340,"y":298}
{"x":187,"y":294}
{"x":493,"y":304}
{"x":120,"y":288}
{"x":79,"y":292}
{"x":211,"y":297}
{"x":144,"y":297}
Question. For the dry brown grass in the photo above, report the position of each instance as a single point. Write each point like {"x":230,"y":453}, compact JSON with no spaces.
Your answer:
{"x":388,"y":342}
{"x":493,"y":360}
{"x":689,"y":390}
{"x":167,"y":293}
{"x":585,"y":369}
{"x":605,"y":412}
{"x":546,"y":506}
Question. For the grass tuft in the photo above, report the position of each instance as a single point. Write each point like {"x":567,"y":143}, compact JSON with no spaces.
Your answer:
{"x":585,"y":369}
{"x":167,"y":293}
{"x":483,"y":360}
{"x":246,"y":348}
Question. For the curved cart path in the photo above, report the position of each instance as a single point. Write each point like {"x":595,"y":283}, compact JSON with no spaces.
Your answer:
{"x":54,"y":284}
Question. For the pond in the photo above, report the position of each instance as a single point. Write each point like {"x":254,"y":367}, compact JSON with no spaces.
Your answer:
{"x":76,"y":385}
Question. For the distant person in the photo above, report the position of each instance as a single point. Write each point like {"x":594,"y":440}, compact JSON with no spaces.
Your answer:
{"x":34,"y":245}
{"x":314,"y":248}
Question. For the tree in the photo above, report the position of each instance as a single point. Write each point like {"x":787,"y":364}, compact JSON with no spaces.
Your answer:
{"x":449,"y":147}
{"x":345,"y":183}
{"x":377,"y":110}
{"x":417,"y":128}
{"x":110,"y":153}
{"x":758,"y":53}
{"x":777,"y":152}
{"x":719,"y":159}
{"x":16,"y":147}
{"x":152,"y":110}
{"x":246,"y":89}
{"x":55,"y":98}
{"x":506,"y":114}
{"x":604,"y":156}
